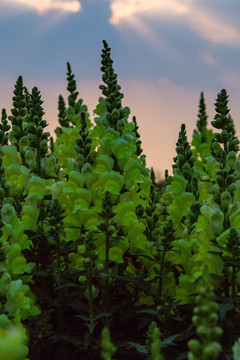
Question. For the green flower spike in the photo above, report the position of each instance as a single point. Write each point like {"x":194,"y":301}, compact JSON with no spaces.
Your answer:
{"x":113,"y":102}
{"x":84,"y":144}
{"x":202,"y":118}
{"x":224,"y":149}
{"x":18,"y":117}
{"x":4,"y":127}
{"x":108,"y":349}
{"x":224,"y":122}
{"x":205,"y":319}
{"x":154,"y":342}
{"x":138,"y":143}
{"x":37,"y":139}
{"x":62,"y":116}
{"x":184,"y":161}
{"x":72,"y":86}
{"x":202,"y":137}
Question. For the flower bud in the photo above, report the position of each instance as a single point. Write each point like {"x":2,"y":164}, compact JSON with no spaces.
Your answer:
{"x":110,"y":230}
{"x":115,"y":114}
{"x":231,"y":159}
{"x":211,"y":351}
{"x":102,"y":225}
{"x":39,"y":130}
{"x":216,"y":147}
{"x":120,"y":125}
{"x":224,"y":136}
{"x":99,"y":267}
{"x":230,"y":179}
{"x":220,"y":181}
{"x":87,"y":261}
{"x":225,"y":200}
{"x":82,"y":279}
{"x":194,"y":345}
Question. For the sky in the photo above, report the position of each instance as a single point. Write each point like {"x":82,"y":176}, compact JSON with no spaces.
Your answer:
{"x":165,"y":53}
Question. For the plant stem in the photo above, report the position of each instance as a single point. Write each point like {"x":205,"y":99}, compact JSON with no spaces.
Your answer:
{"x":106,"y":270}
{"x":161,"y":272}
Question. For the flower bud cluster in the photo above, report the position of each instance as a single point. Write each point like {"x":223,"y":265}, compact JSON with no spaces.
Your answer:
{"x":225,"y":179}
{"x":184,"y":161}
{"x":84,"y":144}
{"x":205,"y":319}
{"x":224,"y":122}
{"x":153,"y":341}
{"x":108,"y":349}
{"x":4,"y":127}
{"x":116,"y":115}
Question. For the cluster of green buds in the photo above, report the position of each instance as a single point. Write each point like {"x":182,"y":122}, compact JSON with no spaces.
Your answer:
{"x":107,"y":214}
{"x":205,"y":319}
{"x":224,"y":122}
{"x":230,"y":256}
{"x":36,"y":138}
{"x":4,"y":127}
{"x":184,"y":161}
{"x":153,"y":342}
{"x":202,"y":137}
{"x":116,"y":115}
{"x":165,"y":245}
{"x":84,"y":144}
{"x":55,"y":216}
{"x":195,"y":206}
{"x":151,"y":216}
{"x":108,"y":349}
{"x":138,"y":143}
{"x":18,"y":113}
{"x":89,"y":253}
{"x":72,"y":86}
{"x":225,"y":177}
{"x":4,"y":187}
{"x":88,"y":270}
{"x":202,"y":118}
{"x":62,"y":116}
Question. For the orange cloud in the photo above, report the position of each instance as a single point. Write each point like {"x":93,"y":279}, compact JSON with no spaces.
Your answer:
{"x":45,"y":5}
{"x":123,"y":9}
{"x":206,"y":25}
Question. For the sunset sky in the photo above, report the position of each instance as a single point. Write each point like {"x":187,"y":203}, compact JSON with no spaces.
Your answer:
{"x":165,"y":53}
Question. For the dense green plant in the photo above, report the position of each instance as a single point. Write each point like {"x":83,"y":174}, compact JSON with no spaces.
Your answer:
{"x":205,"y":319}
{"x":90,"y":246}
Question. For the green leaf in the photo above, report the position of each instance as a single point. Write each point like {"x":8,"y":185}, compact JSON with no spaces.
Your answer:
{"x":224,"y":308}
{"x":121,"y":148}
{"x":236,"y":349}
{"x":104,"y":164}
{"x":112,"y":181}
{"x":77,"y":177}
{"x":169,"y":340}
{"x":140,"y":348}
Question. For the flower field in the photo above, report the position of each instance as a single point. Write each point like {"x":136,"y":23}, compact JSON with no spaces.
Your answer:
{"x":97,"y":261}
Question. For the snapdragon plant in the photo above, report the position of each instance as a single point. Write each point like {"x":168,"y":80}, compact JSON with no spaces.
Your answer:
{"x":224,"y":149}
{"x":205,"y":319}
{"x":62,"y":117}
{"x":84,"y":146}
{"x":108,"y":349}
{"x":18,"y":118}
{"x":107,"y":226}
{"x":202,"y":136}
{"x":154,"y":342}
{"x":184,"y":161}
{"x":4,"y":127}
